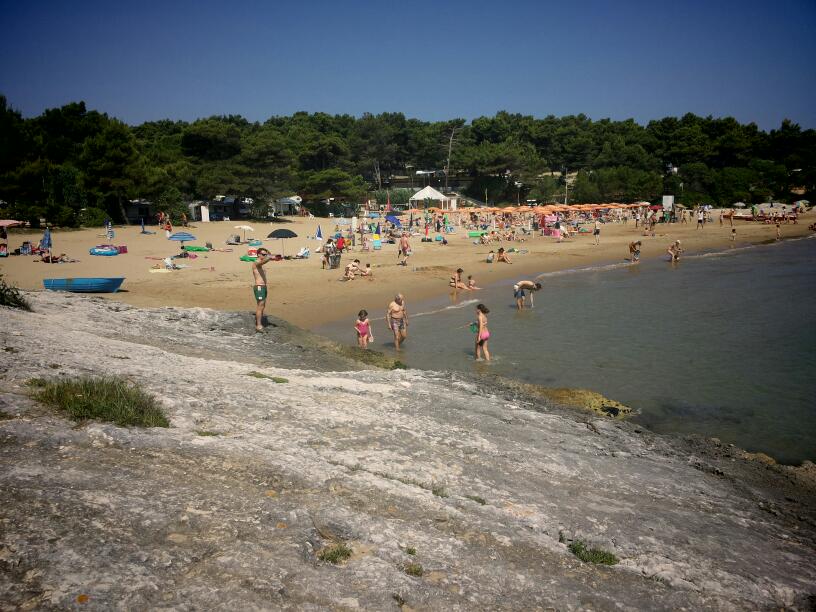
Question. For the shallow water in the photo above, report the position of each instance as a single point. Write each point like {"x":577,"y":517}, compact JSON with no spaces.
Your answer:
{"x":721,"y":344}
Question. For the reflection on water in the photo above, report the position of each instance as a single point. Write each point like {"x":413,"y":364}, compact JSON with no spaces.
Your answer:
{"x":720,"y":344}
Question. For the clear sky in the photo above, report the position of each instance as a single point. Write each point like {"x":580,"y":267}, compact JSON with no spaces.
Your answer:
{"x":151,"y":59}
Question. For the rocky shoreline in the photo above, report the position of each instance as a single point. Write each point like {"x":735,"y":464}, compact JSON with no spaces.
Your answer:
{"x":482,"y":484}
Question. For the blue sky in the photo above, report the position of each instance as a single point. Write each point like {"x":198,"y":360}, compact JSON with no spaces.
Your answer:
{"x":138,"y":61}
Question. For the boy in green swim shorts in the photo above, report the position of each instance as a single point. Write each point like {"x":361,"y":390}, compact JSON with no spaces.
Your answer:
{"x":259,"y":286}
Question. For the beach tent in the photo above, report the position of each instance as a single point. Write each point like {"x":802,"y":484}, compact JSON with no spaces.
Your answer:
{"x":430,"y":194}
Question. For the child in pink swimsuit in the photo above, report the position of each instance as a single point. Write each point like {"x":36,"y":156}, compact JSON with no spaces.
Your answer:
{"x":363,"y":329}
{"x":482,"y":333}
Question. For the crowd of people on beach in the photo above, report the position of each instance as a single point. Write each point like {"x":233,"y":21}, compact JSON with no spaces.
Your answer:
{"x":489,"y":229}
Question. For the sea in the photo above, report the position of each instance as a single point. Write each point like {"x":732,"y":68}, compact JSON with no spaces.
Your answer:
{"x":721,"y":344}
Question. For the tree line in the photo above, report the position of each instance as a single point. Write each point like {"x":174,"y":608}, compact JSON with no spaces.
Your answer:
{"x":71,"y":165}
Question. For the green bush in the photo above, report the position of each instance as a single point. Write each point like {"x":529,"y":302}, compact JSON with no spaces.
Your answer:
{"x":335,"y":553}
{"x":592,"y":555}
{"x":92,"y":217}
{"x":109,"y":399}
{"x":11,"y":296}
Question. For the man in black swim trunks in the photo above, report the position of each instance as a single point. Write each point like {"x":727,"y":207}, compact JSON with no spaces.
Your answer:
{"x":259,"y":286}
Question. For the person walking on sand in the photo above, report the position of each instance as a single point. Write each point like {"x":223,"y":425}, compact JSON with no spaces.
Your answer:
{"x":396,"y":317}
{"x":482,"y":333}
{"x":778,"y":232}
{"x":700,"y":218}
{"x":404,"y":249}
{"x":520,"y":289}
{"x":597,"y":232}
{"x":634,"y":251}
{"x":363,"y":328}
{"x":733,"y":234}
{"x":731,"y":218}
{"x":259,"y":286}
{"x":674,"y":251}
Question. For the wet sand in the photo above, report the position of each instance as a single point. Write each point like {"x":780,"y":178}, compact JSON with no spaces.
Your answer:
{"x":306,"y":295}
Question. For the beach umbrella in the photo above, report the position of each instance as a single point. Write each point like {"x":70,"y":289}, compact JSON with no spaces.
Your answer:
{"x":282,"y":234}
{"x":319,"y":233}
{"x":9,"y":223}
{"x":46,"y":240}
{"x":739,"y":204}
{"x":182,"y":237}
{"x":394,"y":220}
{"x":245,"y":229}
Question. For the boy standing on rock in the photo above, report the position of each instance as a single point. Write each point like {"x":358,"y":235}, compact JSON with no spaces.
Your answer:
{"x":259,"y":286}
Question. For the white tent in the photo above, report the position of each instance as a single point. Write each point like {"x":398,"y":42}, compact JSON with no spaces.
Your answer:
{"x":432,"y":195}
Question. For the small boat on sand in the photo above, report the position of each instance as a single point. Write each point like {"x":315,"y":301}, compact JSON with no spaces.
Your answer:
{"x":84,"y":284}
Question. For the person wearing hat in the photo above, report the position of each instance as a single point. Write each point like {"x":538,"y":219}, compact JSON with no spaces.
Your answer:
{"x":674,"y":251}
{"x":259,"y":286}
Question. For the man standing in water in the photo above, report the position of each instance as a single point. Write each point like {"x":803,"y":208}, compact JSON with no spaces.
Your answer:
{"x":259,"y":286}
{"x":396,"y":317}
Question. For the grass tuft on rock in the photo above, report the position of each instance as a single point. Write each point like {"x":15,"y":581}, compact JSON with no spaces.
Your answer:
{"x":439,"y":490}
{"x":11,"y":296}
{"x":275,"y":379}
{"x":206,"y":434}
{"x":335,"y":553}
{"x":413,"y":569}
{"x":107,"y":398}
{"x":592,"y":555}
{"x":479,"y":500}
{"x":411,"y":551}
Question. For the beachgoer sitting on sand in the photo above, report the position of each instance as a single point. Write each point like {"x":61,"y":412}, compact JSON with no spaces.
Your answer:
{"x":471,"y":284}
{"x":502,"y":256}
{"x":352,"y":268}
{"x":491,"y":256}
{"x":456,"y":280}
{"x":367,"y":272}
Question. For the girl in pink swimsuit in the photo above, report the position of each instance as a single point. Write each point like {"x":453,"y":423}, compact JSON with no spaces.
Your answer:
{"x":363,"y":329}
{"x":482,"y":334}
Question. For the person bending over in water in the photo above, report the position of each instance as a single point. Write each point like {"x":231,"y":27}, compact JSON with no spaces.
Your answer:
{"x":519,"y":290}
{"x":482,"y":333}
{"x":503,"y":257}
{"x":674,"y":251}
{"x":363,"y":328}
{"x":396,"y":317}
{"x":634,"y":251}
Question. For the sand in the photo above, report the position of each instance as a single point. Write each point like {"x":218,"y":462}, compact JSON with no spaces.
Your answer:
{"x":308,"y":296}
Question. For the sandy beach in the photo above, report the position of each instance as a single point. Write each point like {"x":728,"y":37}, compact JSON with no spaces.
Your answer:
{"x":306,"y":295}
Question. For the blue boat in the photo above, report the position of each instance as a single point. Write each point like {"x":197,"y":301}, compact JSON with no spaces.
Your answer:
{"x":85,"y":284}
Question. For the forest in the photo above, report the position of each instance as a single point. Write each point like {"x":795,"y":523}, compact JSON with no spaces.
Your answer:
{"x":73,"y":166}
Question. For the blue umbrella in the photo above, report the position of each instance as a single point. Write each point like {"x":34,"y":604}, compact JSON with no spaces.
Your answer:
{"x":182,"y":237}
{"x":394,"y":220}
{"x":319,"y":234}
{"x":45,"y":243}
